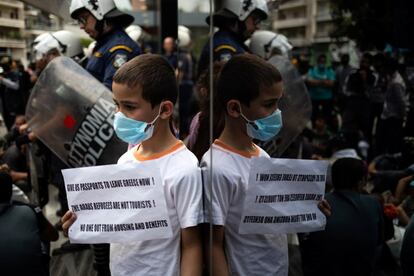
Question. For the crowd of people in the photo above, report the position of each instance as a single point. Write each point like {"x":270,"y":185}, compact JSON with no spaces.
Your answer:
{"x":371,"y":101}
{"x":362,"y":122}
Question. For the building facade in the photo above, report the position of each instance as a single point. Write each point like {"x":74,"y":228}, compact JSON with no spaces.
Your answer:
{"x":12,"y":27}
{"x":304,"y":22}
{"x":20,"y":24}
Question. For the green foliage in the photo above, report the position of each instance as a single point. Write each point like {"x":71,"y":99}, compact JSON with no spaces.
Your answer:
{"x":85,"y":42}
{"x":198,"y":44}
{"x":14,"y":35}
{"x":369,"y":22}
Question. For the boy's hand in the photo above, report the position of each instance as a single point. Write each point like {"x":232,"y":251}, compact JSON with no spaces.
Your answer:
{"x":405,"y":180}
{"x":325,"y":208}
{"x":67,"y":220}
{"x":23,"y":128}
{"x":32,"y":136}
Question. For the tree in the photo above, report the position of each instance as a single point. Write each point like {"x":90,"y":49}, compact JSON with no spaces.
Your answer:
{"x":374,"y":23}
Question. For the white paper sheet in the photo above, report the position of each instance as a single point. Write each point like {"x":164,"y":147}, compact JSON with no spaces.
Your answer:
{"x":117,"y":204}
{"x":282,"y":196}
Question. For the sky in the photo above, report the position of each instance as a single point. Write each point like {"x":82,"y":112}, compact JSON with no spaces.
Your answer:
{"x":185,"y":5}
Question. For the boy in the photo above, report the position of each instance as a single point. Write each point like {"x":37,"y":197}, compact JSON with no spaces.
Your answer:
{"x":145,"y":92}
{"x":248,"y":91}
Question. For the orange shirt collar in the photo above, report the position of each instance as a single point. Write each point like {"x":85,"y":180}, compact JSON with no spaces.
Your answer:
{"x":139,"y":157}
{"x":246,"y":154}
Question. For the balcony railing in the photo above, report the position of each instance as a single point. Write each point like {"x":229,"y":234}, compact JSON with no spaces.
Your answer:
{"x":44,"y":27}
{"x":325,"y":16}
{"x":12,"y":43}
{"x":15,"y":23}
{"x":292,"y":4}
{"x":290,"y":23}
{"x":11,"y":4}
{"x":299,"y":42}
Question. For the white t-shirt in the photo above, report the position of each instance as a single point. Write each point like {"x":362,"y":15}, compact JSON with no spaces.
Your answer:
{"x":246,"y":254}
{"x":183,"y":194}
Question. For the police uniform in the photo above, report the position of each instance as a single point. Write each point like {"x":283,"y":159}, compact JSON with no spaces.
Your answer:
{"x":225,"y":44}
{"x":111,"y":51}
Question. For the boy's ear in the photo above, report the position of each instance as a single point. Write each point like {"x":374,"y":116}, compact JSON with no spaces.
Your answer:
{"x":233,"y":108}
{"x":167,"y":110}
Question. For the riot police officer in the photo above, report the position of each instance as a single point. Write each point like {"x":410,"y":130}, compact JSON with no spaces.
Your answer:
{"x":236,"y":20}
{"x":102,"y":21}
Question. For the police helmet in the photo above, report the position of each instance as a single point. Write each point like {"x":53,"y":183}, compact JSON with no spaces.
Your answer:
{"x":100,"y":9}
{"x":184,"y":36}
{"x":240,"y":10}
{"x":66,"y":42}
{"x":263,"y":44}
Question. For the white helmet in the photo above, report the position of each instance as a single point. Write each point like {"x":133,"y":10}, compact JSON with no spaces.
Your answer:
{"x":262,"y":43}
{"x":44,"y":46}
{"x":243,"y":8}
{"x":40,"y":38}
{"x":66,"y":42}
{"x":184,"y":36}
{"x":184,"y":29}
{"x":100,"y":9}
{"x":71,"y":41}
{"x":35,"y":51}
{"x":96,"y":7}
{"x":134,"y":32}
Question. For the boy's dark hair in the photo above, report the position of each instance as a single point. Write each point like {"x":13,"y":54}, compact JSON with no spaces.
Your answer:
{"x":6,"y":184}
{"x":242,"y":78}
{"x":153,"y":74}
{"x":347,"y":173}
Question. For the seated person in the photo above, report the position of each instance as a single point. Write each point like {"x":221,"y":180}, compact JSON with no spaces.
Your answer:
{"x":407,"y":250}
{"x":387,"y":169}
{"x":14,"y":132}
{"x":353,"y":234}
{"x":22,"y":231}
{"x":402,"y":204}
{"x":15,"y":158}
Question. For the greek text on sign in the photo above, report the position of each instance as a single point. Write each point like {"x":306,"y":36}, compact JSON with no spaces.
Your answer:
{"x":117,"y":204}
{"x":93,"y":135}
{"x":282,"y":196}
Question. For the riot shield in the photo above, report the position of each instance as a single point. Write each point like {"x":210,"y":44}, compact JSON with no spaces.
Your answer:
{"x":72,"y":114}
{"x":295,"y":105}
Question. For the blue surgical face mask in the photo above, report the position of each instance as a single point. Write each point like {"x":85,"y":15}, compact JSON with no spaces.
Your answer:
{"x":265,"y":128}
{"x":133,"y":131}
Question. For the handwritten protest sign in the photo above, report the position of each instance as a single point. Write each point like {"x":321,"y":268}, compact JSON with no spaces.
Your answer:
{"x":282,"y":196}
{"x":117,"y":204}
